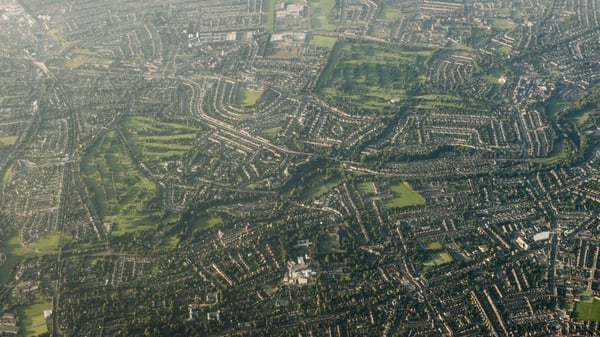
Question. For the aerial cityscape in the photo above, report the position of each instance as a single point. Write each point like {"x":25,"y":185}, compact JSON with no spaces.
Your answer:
{"x":299,"y":168}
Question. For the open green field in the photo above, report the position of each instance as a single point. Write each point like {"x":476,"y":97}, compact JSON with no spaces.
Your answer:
{"x":32,"y":318}
{"x":329,"y":245}
{"x":15,"y":252}
{"x":428,"y":102}
{"x":79,"y":60}
{"x":90,"y":261}
{"x":581,"y":118}
{"x":170,"y":241}
{"x":247,"y":98}
{"x":491,"y":79}
{"x":319,"y":12}
{"x":387,"y":12}
{"x":81,"y":56}
{"x":9,"y":264}
{"x":504,"y":50}
{"x":404,"y":196}
{"x":435,"y":245}
{"x":14,"y":247}
{"x":369,"y":75}
{"x":56,"y":35}
{"x":588,"y":309}
{"x":158,"y":142}
{"x":270,"y":15}
{"x":6,"y":175}
{"x":321,"y":41}
{"x":438,"y":259}
{"x":284,"y":52}
{"x":272,"y":132}
{"x":205,"y":222}
{"x":318,"y":185}
{"x":433,"y":101}
{"x":118,"y":190}
{"x":141,"y":125}
{"x":47,"y":243}
{"x":84,"y":52}
{"x":436,"y":97}
{"x":366,"y":188}
{"x":8,"y":140}
{"x":503,"y":24}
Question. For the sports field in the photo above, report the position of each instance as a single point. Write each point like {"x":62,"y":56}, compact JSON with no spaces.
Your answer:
{"x":32,"y":318}
{"x":404,"y":196}
{"x":588,"y":309}
{"x":246,"y":97}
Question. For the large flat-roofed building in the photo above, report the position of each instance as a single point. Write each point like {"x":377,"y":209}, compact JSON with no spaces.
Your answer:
{"x":541,"y":236}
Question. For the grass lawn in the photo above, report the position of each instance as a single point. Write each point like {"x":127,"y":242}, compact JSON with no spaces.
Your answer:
{"x":158,"y":142}
{"x":89,"y":261}
{"x":56,"y":36}
{"x":9,"y":264}
{"x":170,"y":241}
{"x":329,"y":245}
{"x":346,"y":278}
{"x":317,"y":191}
{"x":8,"y":140}
{"x":284,"y":52}
{"x":388,"y":12}
{"x":47,"y":243}
{"x":81,"y":56}
{"x":433,"y":101}
{"x":491,"y":79}
{"x":438,"y":259}
{"x":319,"y":12}
{"x":32,"y":318}
{"x":118,"y":190}
{"x":442,"y":258}
{"x":317,"y":186}
{"x":435,"y":97}
{"x":13,"y":246}
{"x":7,"y":174}
{"x":435,"y":245}
{"x":270,"y":15}
{"x":588,"y":310}
{"x":149,"y":126}
{"x":369,"y":75}
{"x":366,"y":189}
{"x":247,"y":98}
{"x":208,"y":222}
{"x":76,"y":62}
{"x":404,"y":196}
{"x":322,"y":41}
{"x":84,"y":52}
{"x":581,"y":118}
{"x":503,"y":24}
{"x":504,"y":50}
{"x":272,"y":132}
{"x":15,"y":252}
